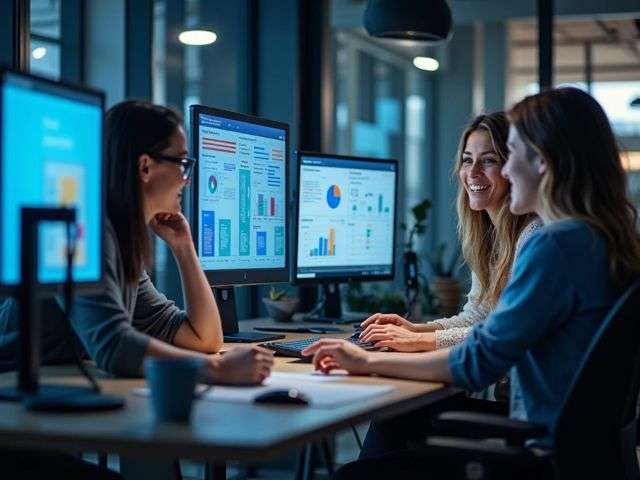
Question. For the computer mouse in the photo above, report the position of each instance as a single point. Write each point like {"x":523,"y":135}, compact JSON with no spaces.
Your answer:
{"x":285,"y":396}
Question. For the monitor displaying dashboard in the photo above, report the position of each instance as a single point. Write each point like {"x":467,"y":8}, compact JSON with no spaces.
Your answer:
{"x":51,"y":155}
{"x":240,"y":196}
{"x":345,"y":218}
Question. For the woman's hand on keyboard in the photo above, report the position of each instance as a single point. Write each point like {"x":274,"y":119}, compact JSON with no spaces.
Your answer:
{"x":333,"y":354}
{"x":398,"y":338}
{"x":389,"y":319}
{"x":246,"y":365}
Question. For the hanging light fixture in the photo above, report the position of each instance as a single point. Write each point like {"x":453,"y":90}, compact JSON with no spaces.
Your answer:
{"x":197,"y":37}
{"x":424,"y":20}
{"x":635,"y":103}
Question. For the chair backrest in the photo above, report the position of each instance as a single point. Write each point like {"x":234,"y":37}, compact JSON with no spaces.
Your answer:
{"x":598,"y":417}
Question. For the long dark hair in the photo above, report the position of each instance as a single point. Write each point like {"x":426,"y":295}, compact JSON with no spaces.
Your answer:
{"x":585,"y":178}
{"x":488,"y":249}
{"x":132,"y":128}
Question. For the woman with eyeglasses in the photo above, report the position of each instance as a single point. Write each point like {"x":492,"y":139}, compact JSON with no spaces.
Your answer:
{"x":147,"y":169}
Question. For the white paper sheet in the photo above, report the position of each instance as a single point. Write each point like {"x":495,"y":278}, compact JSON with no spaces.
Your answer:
{"x":322,"y":391}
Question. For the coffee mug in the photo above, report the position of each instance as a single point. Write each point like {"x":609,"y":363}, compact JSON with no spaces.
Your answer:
{"x":172,"y":383}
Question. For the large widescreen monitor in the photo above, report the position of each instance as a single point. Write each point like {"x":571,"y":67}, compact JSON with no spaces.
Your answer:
{"x":50,"y":156}
{"x":345,"y":219}
{"x":240,"y":197}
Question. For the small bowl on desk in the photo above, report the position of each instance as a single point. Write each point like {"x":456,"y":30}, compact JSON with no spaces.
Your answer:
{"x":281,"y":310}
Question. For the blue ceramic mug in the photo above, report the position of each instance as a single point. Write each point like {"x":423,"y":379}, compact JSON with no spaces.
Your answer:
{"x":172,"y":383}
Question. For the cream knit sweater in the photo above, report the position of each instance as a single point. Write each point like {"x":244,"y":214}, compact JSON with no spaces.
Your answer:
{"x":456,"y":328}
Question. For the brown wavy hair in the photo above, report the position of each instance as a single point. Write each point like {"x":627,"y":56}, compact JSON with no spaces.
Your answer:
{"x":585,"y":179}
{"x":488,"y":249}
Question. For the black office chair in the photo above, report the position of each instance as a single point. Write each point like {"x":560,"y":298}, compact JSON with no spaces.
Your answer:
{"x":596,"y":430}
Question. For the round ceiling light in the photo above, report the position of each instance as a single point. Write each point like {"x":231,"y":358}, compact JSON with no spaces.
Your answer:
{"x":426,"y":63}
{"x":427,"y":21}
{"x":38,"y":53}
{"x":197,"y":37}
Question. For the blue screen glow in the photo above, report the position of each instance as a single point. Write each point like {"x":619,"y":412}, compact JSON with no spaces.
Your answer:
{"x":51,"y":154}
{"x":242,"y":200}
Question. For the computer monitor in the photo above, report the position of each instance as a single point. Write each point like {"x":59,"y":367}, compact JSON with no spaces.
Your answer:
{"x":51,"y":176}
{"x":50,"y":156}
{"x":345,"y":225}
{"x":239,"y":204}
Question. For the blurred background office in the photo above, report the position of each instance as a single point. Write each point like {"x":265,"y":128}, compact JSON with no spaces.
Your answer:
{"x":311,"y":64}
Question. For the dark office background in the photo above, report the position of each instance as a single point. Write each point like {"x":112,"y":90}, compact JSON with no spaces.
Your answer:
{"x":310,"y":63}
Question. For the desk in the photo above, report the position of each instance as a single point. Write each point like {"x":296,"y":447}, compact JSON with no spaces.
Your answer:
{"x":217,"y":432}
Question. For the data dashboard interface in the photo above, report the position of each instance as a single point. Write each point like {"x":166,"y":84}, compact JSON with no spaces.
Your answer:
{"x":346,"y":217}
{"x":50,"y":156}
{"x":241,"y":194}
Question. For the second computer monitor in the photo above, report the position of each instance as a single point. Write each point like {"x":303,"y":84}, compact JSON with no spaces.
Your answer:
{"x":240,"y":215}
{"x":346,"y":218}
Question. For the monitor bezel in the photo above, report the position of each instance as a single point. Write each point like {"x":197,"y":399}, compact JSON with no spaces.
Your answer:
{"x":92,"y":286}
{"x":244,"y":277}
{"x":343,"y":278}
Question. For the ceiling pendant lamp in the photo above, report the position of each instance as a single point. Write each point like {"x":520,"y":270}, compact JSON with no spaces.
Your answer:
{"x":422,"y":20}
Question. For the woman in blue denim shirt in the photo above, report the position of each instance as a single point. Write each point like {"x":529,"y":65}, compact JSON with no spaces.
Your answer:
{"x":564,"y":165}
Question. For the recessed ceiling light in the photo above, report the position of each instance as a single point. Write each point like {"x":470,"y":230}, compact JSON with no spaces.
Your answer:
{"x":426,"y":63}
{"x":197,"y":37}
{"x":38,"y":53}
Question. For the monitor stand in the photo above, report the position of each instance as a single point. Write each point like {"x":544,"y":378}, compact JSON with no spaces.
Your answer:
{"x":52,"y":398}
{"x":225,"y":298}
{"x":331,"y":304}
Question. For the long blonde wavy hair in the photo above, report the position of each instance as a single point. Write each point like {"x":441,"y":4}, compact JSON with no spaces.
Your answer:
{"x":488,"y":249}
{"x":585,"y":179}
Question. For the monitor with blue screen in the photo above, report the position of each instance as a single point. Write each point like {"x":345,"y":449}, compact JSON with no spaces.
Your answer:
{"x":345,"y":221}
{"x":50,"y":156}
{"x":240,"y":200}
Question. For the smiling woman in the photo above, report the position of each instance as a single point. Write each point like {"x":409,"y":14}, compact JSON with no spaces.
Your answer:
{"x":490,"y":234}
{"x":480,"y":176}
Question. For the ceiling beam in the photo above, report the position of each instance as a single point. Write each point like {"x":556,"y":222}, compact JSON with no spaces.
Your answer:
{"x":628,"y":42}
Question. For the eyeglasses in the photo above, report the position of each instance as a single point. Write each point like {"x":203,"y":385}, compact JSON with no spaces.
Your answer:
{"x":186,"y":163}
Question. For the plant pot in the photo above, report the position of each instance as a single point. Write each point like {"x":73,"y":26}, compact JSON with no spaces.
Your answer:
{"x":447,"y":293}
{"x":281,"y":310}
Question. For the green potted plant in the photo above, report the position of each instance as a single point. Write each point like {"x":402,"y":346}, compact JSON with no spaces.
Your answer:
{"x":280,"y":306}
{"x":444,"y":286}
{"x":375,"y":300}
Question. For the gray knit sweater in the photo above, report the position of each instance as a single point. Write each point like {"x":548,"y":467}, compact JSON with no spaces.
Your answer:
{"x":113,"y":325}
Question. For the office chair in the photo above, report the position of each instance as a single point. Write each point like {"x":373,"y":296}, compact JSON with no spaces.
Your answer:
{"x":595,"y":435}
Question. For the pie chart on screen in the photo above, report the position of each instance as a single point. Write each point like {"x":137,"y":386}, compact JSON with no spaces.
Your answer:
{"x":213,"y":184}
{"x":333,"y":196}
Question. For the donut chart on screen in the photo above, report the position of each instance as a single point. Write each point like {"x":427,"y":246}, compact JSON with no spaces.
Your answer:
{"x":212,"y":184}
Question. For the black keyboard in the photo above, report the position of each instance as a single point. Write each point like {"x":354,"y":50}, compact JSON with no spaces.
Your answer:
{"x":293,"y":348}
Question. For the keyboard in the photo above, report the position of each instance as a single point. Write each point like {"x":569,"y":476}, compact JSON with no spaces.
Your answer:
{"x":293,"y":348}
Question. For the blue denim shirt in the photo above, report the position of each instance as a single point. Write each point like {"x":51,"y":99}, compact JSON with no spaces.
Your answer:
{"x":546,"y":318}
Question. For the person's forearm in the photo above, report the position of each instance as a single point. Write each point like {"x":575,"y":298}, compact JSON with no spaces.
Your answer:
{"x":431,"y":366}
{"x":160,"y":349}
{"x":428,"y":327}
{"x":202,"y":310}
